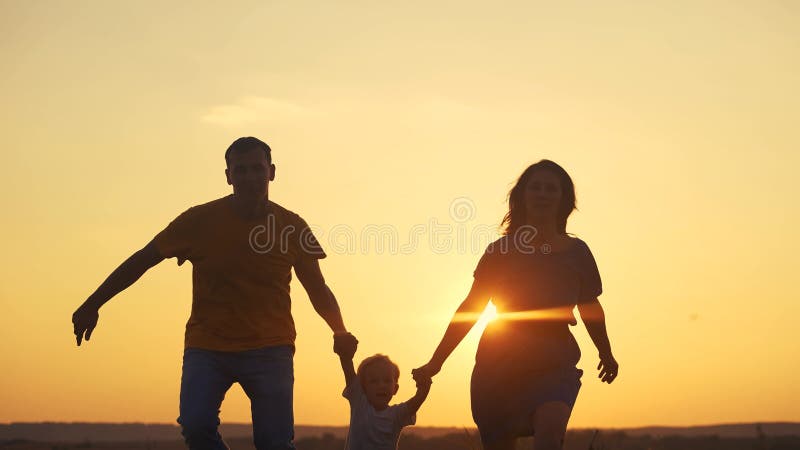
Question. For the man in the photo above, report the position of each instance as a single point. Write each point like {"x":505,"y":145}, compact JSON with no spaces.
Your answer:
{"x":242,"y":248}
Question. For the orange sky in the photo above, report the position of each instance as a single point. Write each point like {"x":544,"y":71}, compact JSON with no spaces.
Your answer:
{"x":676,"y":121}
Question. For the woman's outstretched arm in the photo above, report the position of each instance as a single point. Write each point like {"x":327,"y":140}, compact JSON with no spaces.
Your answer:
{"x":594,"y":318}
{"x":463,"y":320}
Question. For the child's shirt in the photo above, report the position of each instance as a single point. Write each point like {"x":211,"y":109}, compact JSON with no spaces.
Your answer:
{"x":371,"y":429}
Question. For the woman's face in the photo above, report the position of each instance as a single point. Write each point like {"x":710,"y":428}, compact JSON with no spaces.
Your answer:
{"x":542,"y":195}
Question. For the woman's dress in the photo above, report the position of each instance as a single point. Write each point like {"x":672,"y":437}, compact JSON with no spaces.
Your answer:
{"x":528,"y":356}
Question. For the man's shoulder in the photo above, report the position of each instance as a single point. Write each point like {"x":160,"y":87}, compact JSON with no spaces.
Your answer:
{"x":212,"y":206}
{"x":199,"y":213}
{"x":222,"y":203}
{"x":215,"y":204}
{"x":282,"y":211}
{"x":218,"y":206}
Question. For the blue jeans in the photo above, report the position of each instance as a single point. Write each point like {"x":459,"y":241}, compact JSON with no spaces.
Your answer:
{"x":266,"y":376}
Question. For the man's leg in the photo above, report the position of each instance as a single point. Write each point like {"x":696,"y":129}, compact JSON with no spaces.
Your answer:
{"x":204,"y":382}
{"x":267,"y":377}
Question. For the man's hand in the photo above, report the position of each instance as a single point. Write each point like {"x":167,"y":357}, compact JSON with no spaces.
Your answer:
{"x":84,"y":319}
{"x":345,"y":345}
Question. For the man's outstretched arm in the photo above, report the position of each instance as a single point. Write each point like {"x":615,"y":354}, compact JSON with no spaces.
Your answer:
{"x":323,"y":300}
{"x":84,"y":320}
{"x":325,"y":304}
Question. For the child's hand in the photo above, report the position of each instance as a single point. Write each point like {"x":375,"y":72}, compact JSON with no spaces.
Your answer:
{"x":423,"y":382}
{"x":345,"y":345}
{"x":426,"y":372}
{"x":423,"y":388}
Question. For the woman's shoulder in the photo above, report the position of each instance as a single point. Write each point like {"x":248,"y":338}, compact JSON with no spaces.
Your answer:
{"x":578,"y":243}
{"x":506,"y":244}
{"x":492,"y":255}
{"x":580,"y":247}
{"x":582,"y":252}
{"x":499,"y":246}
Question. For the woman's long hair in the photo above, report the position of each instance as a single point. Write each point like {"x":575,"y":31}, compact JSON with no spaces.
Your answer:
{"x":517,"y":214}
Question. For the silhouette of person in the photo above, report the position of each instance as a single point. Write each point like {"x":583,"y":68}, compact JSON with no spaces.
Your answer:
{"x":525,"y":380}
{"x":242,"y":248}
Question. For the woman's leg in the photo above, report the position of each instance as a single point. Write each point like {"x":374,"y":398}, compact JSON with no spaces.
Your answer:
{"x":550,"y":425}
{"x":506,"y":444}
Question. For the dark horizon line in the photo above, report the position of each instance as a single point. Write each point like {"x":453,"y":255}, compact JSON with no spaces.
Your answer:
{"x":460,"y":427}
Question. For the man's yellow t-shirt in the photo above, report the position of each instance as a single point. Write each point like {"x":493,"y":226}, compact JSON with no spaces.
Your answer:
{"x":241,"y":273}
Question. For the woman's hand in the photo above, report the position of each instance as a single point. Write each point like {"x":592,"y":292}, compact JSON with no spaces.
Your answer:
{"x":425,"y":373}
{"x":609,"y":368}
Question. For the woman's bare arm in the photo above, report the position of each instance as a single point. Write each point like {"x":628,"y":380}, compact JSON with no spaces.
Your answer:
{"x":463,"y":320}
{"x":594,"y":318}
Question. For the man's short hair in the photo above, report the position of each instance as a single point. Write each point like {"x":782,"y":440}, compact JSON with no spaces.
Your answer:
{"x":246,"y":144}
{"x":375,"y":359}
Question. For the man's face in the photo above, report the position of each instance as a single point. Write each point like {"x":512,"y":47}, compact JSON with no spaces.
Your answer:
{"x":379,"y":384}
{"x":249,"y":173}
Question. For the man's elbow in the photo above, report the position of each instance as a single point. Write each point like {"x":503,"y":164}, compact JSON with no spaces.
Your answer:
{"x":148,"y":256}
{"x":321,"y":298}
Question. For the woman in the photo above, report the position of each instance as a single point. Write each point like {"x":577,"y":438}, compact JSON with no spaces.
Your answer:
{"x":525,"y":381}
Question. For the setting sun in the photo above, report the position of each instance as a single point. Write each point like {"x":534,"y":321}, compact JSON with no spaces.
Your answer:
{"x":489,"y":314}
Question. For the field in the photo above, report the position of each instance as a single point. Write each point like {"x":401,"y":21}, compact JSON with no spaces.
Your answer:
{"x":167,"y":437}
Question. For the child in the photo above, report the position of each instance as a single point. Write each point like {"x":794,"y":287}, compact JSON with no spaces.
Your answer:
{"x":374,"y":425}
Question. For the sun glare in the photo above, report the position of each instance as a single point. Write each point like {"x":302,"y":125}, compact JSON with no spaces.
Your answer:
{"x":489,"y":314}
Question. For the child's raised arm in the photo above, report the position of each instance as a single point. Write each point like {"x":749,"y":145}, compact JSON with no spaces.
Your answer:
{"x":423,"y":387}
{"x":347,"y":368}
{"x":345,"y":346}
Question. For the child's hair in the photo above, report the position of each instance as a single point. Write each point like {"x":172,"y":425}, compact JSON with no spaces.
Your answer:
{"x":378,"y":358}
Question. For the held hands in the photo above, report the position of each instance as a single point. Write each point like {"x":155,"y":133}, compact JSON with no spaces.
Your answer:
{"x":84,"y":320}
{"x":423,"y":375}
{"x":609,"y":369}
{"x":423,"y":383}
{"x":345,"y":345}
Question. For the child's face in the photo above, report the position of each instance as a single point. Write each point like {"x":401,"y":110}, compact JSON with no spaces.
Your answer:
{"x":379,"y":384}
